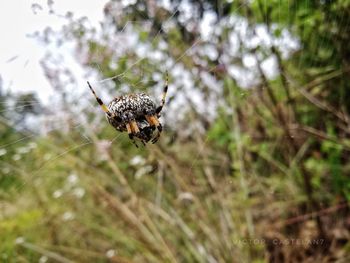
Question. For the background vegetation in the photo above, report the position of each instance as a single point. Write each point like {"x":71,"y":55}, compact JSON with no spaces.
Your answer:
{"x":252,"y":165}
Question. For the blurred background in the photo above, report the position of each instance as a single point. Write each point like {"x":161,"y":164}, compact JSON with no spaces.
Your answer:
{"x":252,"y":165}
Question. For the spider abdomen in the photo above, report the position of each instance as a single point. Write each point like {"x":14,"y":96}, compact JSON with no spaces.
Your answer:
{"x":130,"y":107}
{"x":136,"y":114}
{"x":136,"y":104}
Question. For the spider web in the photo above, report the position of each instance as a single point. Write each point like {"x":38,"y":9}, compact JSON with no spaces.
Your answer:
{"x":86,"y":139}
{"x":78,"y":122}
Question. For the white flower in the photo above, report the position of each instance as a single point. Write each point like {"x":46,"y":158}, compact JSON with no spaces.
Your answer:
{"x":142,"y":171}
{"x":2,"y":151}
{"x":103,"y":147}
{"x":57,"y":193}
{"x":32,"y":145}
{"x":183,"y":196}
{"x":47,"y":156}
{"x":137,"y":160}
{"x":19,"y":240}
{"x":79,"y":192}
{"x":22,"y":150}
{"x":6,"y":170}
{"x":111,"y":253}
{"x":72,"y":179}
{"x":43,"y":259}
{"x":68,"y":216}
{"x":16,"y":157}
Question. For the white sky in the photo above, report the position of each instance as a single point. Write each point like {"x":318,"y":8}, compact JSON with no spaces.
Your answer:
{"x":19,"y":55}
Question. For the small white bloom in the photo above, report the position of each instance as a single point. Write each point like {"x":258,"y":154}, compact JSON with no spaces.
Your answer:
{"x":103,"y":147}
{"x":68,"y":216}
{"x":2,"y":151}
{"x":16,"y":157}
{"x":79,"y":192}
{"x":185,"y":196}
{"x":32,"y":145}
{"x":111,"y":253}
{"x":5,"y":170}
{"x":19,"y":240}
{"x":57,"y":193}
{"x":142,"y":171}
{"x":22,"y":150}
{"x":47,"y":156}
{"x":137,"y":160}
{"x":43,"y":259}
{"x":72,"y":179}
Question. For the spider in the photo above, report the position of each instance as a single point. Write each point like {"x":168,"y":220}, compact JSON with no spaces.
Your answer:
{"x":135,"y":113}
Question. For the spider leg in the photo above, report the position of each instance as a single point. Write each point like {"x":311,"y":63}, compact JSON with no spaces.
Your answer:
{"x":131,"y":135}
{"x":165,"y":91}
{"x":155,"y":139}
{"x":136,"y":131}
{"x":100,"y":102}
{"x":153,"y":121}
